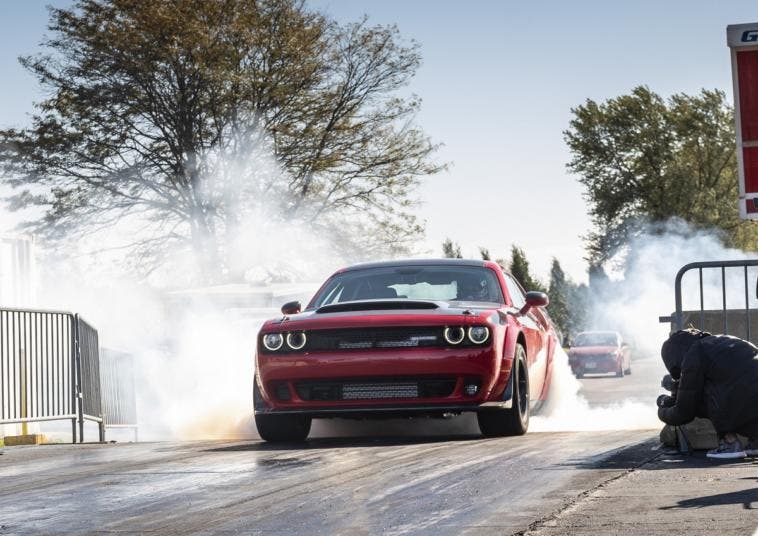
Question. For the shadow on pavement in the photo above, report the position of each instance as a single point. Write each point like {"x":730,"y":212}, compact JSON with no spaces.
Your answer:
{"x":342,"y":442}
{"x":745,"y":497}
{"x":629,"y":457}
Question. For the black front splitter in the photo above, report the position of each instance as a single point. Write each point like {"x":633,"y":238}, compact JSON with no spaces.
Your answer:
{"x":385,"y":412}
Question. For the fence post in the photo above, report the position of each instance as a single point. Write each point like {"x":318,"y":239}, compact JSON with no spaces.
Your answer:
{"x":74,"y":385}
{"x":24,"y":400}
{"x":79,"y":394}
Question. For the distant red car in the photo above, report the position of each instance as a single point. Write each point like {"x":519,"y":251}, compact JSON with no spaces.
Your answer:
{"x":406,"y":338}
{"x":594,"y":352}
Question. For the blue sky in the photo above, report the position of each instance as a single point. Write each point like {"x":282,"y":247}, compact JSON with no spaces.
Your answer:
{"x":498,"y":81}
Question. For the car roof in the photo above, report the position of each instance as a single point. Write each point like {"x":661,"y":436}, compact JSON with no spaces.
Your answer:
{"x":416,"y":262}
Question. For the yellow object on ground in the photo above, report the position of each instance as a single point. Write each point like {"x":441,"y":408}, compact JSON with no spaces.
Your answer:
{"x":28,"y":439}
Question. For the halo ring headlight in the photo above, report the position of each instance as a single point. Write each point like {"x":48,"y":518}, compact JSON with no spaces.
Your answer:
{"x":296,"y":340}
{"x":454,"y":335}
{"x":478,"y":334}
{"x":273,"y":341}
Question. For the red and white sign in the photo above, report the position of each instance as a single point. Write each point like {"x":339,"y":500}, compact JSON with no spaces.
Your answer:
{"x":743,"y":42}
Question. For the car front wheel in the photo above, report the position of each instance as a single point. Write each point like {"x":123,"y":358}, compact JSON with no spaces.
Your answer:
{"x":282,"y":428}
{"x":514,"y":420}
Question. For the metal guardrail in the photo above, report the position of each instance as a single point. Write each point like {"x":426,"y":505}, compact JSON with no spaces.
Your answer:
{"x":49,"y":369}
{"x":88,"y":375}
{"x":729,"y":319}
{"x":118,"y":390}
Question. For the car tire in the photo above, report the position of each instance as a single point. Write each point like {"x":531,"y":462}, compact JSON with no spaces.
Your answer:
{"x":579,"y":375}
{"x":513,"y":421}
{"x":283,"y":428}
{"x":279,"y":428}
{"x":628,"y":370}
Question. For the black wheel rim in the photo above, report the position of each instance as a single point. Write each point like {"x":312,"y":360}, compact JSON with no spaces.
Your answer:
{"x":523,"y":389}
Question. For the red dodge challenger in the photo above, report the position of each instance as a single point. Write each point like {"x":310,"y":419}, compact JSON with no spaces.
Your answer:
{"x":406,"y":338}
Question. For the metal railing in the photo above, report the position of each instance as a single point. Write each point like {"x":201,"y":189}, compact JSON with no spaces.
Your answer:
{"x":732,"y":321}
{"x":118,"y":390}
{"x":88,"y":375}
{"x":49,"y":369}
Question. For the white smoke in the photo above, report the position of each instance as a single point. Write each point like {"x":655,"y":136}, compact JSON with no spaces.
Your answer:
{"x":193,"y":347}
{"x":632,"y":305}
{"x":569,"y":411}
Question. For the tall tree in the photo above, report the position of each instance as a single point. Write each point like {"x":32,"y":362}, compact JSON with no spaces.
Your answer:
{"x":568,"y":301}
{"x":560,"y":296}
{"x":194,"y":116}
{"x":519,"y":268}
{"x":451,"y":250}
{"x":643,"y":159}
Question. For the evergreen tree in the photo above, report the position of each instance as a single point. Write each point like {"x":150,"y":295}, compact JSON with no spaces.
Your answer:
{"x":451,"y":250}
{"x":519,"y":268}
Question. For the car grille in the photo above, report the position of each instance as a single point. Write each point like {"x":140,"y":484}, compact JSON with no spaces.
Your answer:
{"x":362,"y":338}
{"x":375,"y":389}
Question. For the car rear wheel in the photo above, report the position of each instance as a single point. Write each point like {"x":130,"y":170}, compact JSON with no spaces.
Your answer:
{"x":514,"y":420}
{"x":281,"y":428}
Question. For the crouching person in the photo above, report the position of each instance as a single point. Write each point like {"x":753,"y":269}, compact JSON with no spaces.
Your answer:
{"x":717,"y":378}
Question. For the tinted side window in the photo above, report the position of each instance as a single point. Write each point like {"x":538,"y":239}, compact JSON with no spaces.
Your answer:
{"x":517,"y":295}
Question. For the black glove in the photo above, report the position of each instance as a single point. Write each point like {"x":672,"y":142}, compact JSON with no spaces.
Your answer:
{"x":665,"y":401}
{"x":669,"y":383}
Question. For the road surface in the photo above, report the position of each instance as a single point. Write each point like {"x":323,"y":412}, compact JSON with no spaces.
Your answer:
{"x":441,"y":481}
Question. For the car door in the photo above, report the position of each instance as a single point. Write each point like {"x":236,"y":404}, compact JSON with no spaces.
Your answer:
{"x":534,"y":326}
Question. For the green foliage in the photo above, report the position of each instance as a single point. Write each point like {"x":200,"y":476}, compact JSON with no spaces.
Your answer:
{"x":568,"y":301}
{"x":643,"y":159}
{"x":485,"y":254}
{"x":451,"y":250}
{"x":519,"y":268}
{"x":196,"y":117}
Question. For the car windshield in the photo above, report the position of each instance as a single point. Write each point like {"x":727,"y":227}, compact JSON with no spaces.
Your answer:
{"x":595,"y":339}
{"x":446,"y":283}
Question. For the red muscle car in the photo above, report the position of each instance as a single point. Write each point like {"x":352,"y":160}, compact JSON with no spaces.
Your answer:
{"x":406,"y":338}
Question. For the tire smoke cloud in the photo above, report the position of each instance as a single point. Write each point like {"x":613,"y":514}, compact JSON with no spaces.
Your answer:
{"x":631,"y":303}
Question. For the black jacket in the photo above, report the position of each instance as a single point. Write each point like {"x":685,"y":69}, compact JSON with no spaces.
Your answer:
{"x":719,"y":377}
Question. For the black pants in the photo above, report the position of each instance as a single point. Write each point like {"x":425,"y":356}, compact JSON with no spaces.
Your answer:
{"x":749,"y":429}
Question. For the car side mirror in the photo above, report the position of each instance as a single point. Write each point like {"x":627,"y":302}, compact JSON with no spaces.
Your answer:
{"x":291,"y":308}
{"x":534,"y":299}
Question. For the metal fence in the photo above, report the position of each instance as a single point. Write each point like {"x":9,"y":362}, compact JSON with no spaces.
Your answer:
{"x":739,"y":319}
{"x":118,"y":390}
{"x":49,"y":369}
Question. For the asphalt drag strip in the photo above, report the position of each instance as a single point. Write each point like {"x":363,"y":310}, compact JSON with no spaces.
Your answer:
{"x":403,"y":485}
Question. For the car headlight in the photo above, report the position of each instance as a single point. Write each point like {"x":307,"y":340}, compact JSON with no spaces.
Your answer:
{"x":296,"y":340}
{"x":478,"y":334}
{"x":454,"y":335}
{"x":273,"y":341}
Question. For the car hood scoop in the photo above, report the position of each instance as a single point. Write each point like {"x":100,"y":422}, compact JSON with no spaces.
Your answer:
{"x":377,"y":305}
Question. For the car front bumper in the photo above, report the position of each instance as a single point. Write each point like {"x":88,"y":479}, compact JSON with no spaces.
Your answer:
{"x":285,"y":383}
{"x":594,"y":364}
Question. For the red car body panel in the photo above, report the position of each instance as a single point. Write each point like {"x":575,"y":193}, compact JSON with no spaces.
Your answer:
{"x":488,"y":364}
